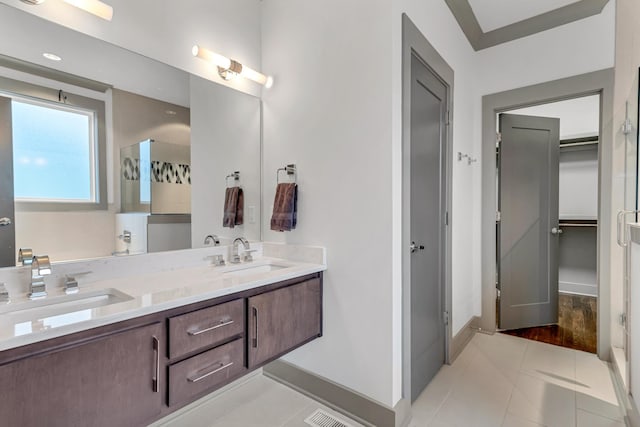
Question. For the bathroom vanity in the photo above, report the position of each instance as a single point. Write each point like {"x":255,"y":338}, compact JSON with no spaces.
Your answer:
{"x":134,"y":371}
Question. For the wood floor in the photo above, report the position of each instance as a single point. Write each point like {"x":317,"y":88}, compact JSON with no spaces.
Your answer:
{"x":576,"y":328}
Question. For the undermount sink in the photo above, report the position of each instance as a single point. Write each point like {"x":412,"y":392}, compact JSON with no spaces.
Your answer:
{"x":50,"y":312}
{"x":254,"y":269}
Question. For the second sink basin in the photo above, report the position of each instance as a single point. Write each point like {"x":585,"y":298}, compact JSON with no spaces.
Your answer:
{"x":248,"y":269}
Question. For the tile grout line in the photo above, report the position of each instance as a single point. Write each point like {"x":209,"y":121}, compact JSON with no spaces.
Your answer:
{"x":575,"y":387}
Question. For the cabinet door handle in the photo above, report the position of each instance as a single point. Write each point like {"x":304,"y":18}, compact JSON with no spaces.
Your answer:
{"x":215,"y":371}
{"x":156,"y":378}
{"x":255,"y":323}
{"x":219,"y":325}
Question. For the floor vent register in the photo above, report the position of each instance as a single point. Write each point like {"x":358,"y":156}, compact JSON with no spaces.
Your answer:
{"x":322,"y":418}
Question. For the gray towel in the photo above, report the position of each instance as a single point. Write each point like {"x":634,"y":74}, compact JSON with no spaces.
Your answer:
{"x":233,"y":207}
{"x":285,"y":207}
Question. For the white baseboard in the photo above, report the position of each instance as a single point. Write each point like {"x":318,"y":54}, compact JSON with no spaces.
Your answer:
{"x":578,"y":289}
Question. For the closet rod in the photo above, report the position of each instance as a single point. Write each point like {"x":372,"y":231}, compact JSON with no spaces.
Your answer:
{"x":571,"y":224}
{"x":578,"y":144}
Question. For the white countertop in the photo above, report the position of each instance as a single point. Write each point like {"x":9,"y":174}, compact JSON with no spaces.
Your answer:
{"x":149,"y":292}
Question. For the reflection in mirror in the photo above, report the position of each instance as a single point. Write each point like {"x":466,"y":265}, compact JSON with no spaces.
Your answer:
{"x":209,"y":129}
{"x":155,"y":178}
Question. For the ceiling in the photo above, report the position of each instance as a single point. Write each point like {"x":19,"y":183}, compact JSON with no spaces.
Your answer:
{"x":487,"y":23}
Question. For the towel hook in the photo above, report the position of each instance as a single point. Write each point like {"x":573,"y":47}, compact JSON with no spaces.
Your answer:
{"x":235,"y":175}
{"x":289,"y":169}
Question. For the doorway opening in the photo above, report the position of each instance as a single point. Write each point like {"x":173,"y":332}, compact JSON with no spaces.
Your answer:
{"x":547,"y":169}
{"x":597,"y":82}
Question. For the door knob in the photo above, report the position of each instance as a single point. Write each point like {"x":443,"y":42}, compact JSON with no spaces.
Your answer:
{"x":415,"y":247}
{"x":5,"y":221}
{"x":556,"y":230}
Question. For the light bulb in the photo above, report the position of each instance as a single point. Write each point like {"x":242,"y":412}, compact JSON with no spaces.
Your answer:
{"x":95,"y":7}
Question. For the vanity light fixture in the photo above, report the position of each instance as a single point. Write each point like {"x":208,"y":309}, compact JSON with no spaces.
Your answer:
{"x":95,"y":7}
{"x":228,"y":68}
{"x":52,"y":56}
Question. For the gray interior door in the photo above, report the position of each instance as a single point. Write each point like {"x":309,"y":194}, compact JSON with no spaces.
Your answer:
{"x":428,"y":232}
{"x":528,"y":227}
{"x":7,"y":226}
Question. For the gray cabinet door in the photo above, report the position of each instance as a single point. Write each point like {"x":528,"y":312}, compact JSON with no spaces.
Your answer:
{"x":283,"y":319}
{"x":528,"y":227}
{"x":105,"y":382}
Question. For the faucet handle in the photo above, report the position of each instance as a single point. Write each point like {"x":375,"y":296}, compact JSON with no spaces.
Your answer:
{"x":248,"y":257}
{"x":217,"y":260}
{"x":71,"y":283}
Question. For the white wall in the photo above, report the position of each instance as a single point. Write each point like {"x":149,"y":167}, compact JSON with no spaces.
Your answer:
{"x":330,"y":114}
{"x":225,"y":137}
{"x":166,"y":30}
{"x":572,"y":49}
{"x":321,"y":115}
{"x":579,"y":117}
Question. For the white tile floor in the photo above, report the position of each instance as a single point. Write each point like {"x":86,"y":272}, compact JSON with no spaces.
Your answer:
{"x":500,"y":380}
{"x":258,"y":402}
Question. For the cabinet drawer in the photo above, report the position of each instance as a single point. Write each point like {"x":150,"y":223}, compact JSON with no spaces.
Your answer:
{"x":206,"y":327}
{"x":206,"y":371}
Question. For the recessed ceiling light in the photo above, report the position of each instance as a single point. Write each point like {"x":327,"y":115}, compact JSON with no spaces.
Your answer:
{"x":52,"y":56}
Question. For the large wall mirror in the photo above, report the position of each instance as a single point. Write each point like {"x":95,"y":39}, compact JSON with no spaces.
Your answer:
{"x":106,"y":152}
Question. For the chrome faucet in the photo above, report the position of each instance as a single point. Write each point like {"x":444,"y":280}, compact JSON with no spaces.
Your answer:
{"x":235,"y":258}
{"x":40,"y":267}
{"x":212,"y":239}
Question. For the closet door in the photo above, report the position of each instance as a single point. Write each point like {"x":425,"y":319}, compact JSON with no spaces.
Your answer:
{"x":528,"y":228}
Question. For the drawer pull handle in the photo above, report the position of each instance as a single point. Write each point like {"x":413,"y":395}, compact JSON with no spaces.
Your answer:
{"x":255,"y":320}
{"x":202,"y":331}
{"x":215,"y":371}
{"x":156,"y":378}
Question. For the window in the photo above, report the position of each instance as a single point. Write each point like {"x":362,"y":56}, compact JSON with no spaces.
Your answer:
{"x":54,"y":152}
{"x":59,"y":147}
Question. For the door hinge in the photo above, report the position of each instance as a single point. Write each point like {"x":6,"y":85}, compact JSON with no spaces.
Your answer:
{"x":498,"y":139}
{"x":446,"y":218}
{"x":498,"y":216}
{"x":445,"y":316}
{"x":623,"y":319}
{"x":448,"y":122}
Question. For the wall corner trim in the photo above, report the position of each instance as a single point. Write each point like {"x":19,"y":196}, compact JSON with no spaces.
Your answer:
{"x":463,"y":337}
{"x":479,"y":40}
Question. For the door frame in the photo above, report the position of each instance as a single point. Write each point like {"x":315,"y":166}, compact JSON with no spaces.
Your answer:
{"x":597,"y":82}
{"x":414,"y":43}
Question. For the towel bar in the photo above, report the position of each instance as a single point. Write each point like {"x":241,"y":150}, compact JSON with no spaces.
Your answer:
{"x":235,"y":175}
{"x":289,"y":169}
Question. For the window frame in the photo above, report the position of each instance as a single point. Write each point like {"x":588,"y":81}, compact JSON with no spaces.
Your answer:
{"x":28,"y":92}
